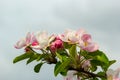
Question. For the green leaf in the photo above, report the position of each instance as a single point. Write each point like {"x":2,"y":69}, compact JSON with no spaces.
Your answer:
{"x":64,"y":72}
{"x":93,"y":68}
{"x":103,"y":78}
{"x":62,"y":58}
{"x":37,"y":67}
{"x":104,"y":61}
{"x":73,"y":51}
{"x":43,"y":56}
{"x":112,"y":62}
{"x":32,"y":58}
{"x":103,"y":75}
{"x":22,"y":57}
{"x":59,"y":56}
{"x":95,"y":78}
{"x":101,"y":58}
{"x":60,"y":67}
{"x":57,"y":65}
{"x":83,"y":53}
{"x":40,"y":57}
{"x":95,"y":63}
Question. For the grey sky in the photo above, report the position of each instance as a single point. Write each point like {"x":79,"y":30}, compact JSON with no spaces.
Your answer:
{"x":101,"y":18}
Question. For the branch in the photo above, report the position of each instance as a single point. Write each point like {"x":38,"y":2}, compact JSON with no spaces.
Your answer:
{"x":90,"y":74}
{"x":87,"y":72}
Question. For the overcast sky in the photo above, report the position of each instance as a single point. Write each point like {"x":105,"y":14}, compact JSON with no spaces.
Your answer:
{"x":101,"y":18}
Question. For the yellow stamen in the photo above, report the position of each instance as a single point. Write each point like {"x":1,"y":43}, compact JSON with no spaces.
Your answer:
{"x":85,"y":43}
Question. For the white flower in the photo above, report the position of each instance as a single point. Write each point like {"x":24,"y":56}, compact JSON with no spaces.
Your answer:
{"x":72,"y":36}
{"x":29,"y":40}
{"x":42,"y":39}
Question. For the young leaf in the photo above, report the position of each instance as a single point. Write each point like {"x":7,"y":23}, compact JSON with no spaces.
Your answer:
{"x":61,"y":67}
{"x":59,"y":56}
{"x":95,"y":78}
{"x":43,"y":56}
{"x":64,"y":72}
{"x":37,"y":67}
{"x":73,"y":51}
{"x":32,"y":58}
{"x":56,"y":66}
{"x":83,"y":53}
{"x":103,"y":74}
{"x":112,"y":62}
{"x":104,"y":61}
{"x":40,"y":56}
{"x":22,"y":57}
{"x":101,"y":58}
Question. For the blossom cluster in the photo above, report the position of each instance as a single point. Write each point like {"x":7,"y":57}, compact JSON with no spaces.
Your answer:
{"x":73,"y":50}
{"x":41,"y":40}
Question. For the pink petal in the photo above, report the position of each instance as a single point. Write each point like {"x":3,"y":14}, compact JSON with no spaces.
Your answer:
{"x":86,"y":37}
{"x":35,"y":43}
{"x":90,"y":47}
{"x":20,"y":44}
{"x":28,"y":38}
{"x":116,"y":78}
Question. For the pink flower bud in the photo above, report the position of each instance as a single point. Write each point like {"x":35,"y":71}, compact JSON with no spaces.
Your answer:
{"x":57,"y":44}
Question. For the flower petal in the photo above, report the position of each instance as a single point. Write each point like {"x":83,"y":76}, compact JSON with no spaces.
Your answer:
{"x":20,"y":44}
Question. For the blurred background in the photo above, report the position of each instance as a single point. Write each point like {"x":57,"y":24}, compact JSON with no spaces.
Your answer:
{"x":100,"y":18}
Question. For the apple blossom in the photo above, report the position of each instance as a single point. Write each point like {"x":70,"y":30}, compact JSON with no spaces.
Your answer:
{"x":72,"y":36}
{"x":43,"y":40}
{"x":87,"y":44}
{"x":30,"y":40}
